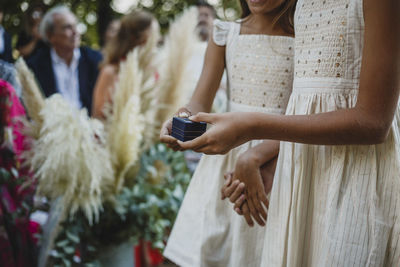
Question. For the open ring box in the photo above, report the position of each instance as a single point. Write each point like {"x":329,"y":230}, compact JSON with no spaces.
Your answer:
{"x":184,"y":129}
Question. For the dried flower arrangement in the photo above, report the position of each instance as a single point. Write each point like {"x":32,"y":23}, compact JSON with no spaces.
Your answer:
{"x":113,"y":182}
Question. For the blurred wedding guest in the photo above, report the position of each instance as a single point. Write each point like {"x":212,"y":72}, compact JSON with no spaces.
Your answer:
{"x":111,"y":31}
{"x":29,"y":39}
{"x":5,"y":42}
{"x":9,"y":74}
{"x":64,"y":67}
{"x":134,"y":31}
{"x":206,"y":17}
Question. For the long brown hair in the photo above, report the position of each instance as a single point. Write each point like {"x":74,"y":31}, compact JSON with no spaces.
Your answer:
{"x":130,"y":35}
{"x":285,"y":16}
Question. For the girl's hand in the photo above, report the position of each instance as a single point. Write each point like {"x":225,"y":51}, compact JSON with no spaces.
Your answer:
{"x":246,"y":183}
{"x":267,"y":173}
{"x":235,"y":192}
{"x":166,"y":129}
{"x":225,"y":133}
{"x":247,"y":170}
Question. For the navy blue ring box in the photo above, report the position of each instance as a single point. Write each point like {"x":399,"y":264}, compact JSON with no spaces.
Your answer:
{"x":184,"y":129}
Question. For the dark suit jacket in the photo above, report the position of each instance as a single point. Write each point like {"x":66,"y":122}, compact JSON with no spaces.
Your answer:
{"x":7,"y":53}
{"x":88,"y":69}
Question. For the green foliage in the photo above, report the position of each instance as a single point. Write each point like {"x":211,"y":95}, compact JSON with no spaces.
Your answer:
{"x":87,"y":12}
{"x":143,"y":211}
{"x":166,"y":10}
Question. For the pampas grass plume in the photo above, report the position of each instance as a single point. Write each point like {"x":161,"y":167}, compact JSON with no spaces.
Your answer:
{"x":177,"y":51}
{"x":31,"y":94}
{"x":125,"y":123}
{"x":70,"y":158}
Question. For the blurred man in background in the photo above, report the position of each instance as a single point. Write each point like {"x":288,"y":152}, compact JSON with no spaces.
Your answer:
{"x":206,"y":17}
{"x":65,"y":67}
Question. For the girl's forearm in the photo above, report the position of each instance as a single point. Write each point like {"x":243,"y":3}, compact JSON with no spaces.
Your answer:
{"x":202,"y":98}
{"x":209,"y":81}
{"x":341,"y":127}
{"x":264,"y":152}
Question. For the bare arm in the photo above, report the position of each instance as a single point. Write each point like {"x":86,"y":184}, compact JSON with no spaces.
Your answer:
{"x":263,"y":152}
{"x":207,"y":86}
{"x":367,"y":123}
{"x":101,"y":92}
{"x":210,"y":79}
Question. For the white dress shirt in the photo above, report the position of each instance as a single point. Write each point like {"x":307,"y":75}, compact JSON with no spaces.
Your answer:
{"x":67,"y":77}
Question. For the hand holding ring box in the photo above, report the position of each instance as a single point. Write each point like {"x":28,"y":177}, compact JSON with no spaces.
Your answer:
{"x":184,"y":129}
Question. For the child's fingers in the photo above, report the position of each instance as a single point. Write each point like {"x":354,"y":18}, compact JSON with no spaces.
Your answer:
{"x":246,"y":215}
{"x":240,"y":201}
{"x":231,"y":188}
{"x":174,"y":146}
{"x":259,"y":207}
{"x":238,"y":191}
{"x":254,"y":213}
{"x":264,"y":200}
{"x":166,"y":127}
{"x":167,"y":139}
{"x":195,"y":144}
{"x":202,"y":116}
{"x":228,"y":180}
{"x":238,"y":211}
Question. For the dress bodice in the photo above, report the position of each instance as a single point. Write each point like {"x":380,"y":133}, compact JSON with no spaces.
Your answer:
{"x":329,"y":41}
{"x":259,"y":68}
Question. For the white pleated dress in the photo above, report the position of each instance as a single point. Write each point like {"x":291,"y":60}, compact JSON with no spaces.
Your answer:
{"x":333,"y":205}
{"x":207,"y":231}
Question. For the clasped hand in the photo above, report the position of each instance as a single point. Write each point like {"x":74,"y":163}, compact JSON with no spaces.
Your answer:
{"x":247,"y":188}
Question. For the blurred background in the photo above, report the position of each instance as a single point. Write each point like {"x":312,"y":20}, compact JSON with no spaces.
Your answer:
{"x":139,"y":201}
{"x":95,"y":15}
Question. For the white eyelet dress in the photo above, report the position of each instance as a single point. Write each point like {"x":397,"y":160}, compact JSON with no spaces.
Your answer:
{"x":333,"y":205}
{"x":207,"y":231}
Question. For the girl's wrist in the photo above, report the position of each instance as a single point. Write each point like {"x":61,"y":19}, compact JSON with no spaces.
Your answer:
{"x":263,"y":152}
{"x":243,"y":124}
{"x":250,"y":125}
{"x":251,"y":157}
{"x":194,"y":108}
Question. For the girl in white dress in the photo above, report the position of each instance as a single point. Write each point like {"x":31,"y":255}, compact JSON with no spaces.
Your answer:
{"x":335,"y":200}
{"x":257,"y":53}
